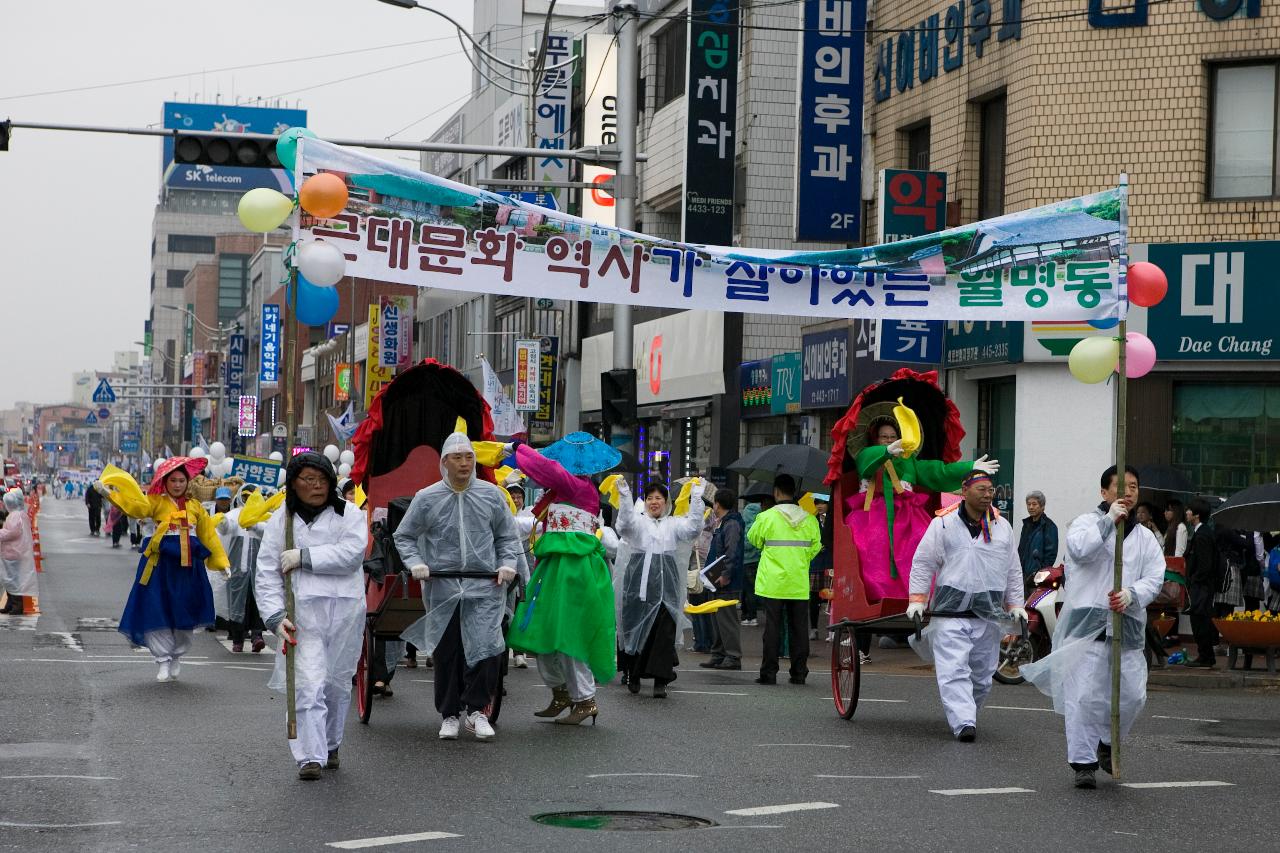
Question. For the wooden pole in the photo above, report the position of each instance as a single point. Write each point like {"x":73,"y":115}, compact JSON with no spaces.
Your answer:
{"x":1122,"y":418}
{"x":291,"y":425}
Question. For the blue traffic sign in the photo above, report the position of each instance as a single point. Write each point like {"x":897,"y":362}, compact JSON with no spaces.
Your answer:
{"x":541,"y":199}
{"x":104,"y":393}
{"x":91,"y":419}
{"x":104,"y":414}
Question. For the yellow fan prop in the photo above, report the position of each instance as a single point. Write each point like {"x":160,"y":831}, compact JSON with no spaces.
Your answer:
{"x":709,"y":606}
{"x":909,"y":425}
{"x":609,"y":488}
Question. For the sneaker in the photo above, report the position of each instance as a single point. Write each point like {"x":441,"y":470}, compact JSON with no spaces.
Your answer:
{"x":1084,"y":779}
{"x":449,"y":728}
{"x":163,"y":673}
{"x":175,"y":667}
{"x":522,"y":662}
{"x":332,"y":763}
{"x":478,"y":724}
{"x":237,"y":647}
{"x":309,"y":772}
{"x":258,"y":644}
{"x":714,"y":663}
{"x":863,"y":658}
{"x":968,"y":734}
{"x":1104,"y":758}
{"x":729,"y":664}
{"x":766,"y":680}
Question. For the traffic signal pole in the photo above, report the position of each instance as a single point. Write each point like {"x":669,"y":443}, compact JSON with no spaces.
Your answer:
{"x":626,"y":24}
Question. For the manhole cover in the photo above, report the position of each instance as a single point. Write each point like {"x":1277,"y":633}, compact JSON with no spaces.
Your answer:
{"x":623,"y":821}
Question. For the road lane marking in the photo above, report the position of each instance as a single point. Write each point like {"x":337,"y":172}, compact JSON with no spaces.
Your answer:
{"x":965,"y":792}
{"x":249,"y":668}
{"x":819,"y":745}
{"x":674,"y":775}
{"x":782,"y":809}
{"x":709,"y":693}
{"x":1200,"y":784}
{"x":64,"y":776}
{"x":383,"y":840}
{"x":1015,"y":708}
{"x":833,"y":776}
{"x":13,"y":825}
{"x":746,"y":826}
{"x":1184,"y":719}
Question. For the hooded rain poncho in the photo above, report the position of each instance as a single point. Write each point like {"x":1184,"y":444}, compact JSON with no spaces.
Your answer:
{"x":16,"y":550}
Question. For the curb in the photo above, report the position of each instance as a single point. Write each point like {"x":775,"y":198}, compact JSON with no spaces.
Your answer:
{"x":1213,"y":680}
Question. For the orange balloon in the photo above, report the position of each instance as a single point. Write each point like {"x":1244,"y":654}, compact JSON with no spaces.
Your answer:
{"x":323,"y":195}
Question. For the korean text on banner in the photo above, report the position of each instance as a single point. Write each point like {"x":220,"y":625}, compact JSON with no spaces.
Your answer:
{"x":829,"y":124}
{"x":506,"y":420}
{"x":1056,"y":262}
{"x":375,"y":376}
{"x":528,"y":375}
{"x":711,"y":102}
{"x":261,"y":472}
{"x":269,"y":355}
{"x":910,"y":204}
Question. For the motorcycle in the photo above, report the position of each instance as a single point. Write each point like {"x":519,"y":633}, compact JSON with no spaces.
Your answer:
{"x":1042,"y":617}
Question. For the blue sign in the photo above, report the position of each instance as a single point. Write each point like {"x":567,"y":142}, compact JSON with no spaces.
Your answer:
{"x":129,"y":435}
{"x":829,"y":144}
{"x":104,"y":414}
{"x":226,"y":118}
{"x":262,"y":472}
{"x":94,"y":453}
{"x":91,"y":419}
{"x":335,"y":329}
{"x":269,"y":374}
{"x":541,"y":199}
{"x":104,"y":393}
{"x":910,"y":341}
{"x":129,"y":445}
{"x":237,"y":349}
{"x":824,"y":382}
{"x":1136,"y":14}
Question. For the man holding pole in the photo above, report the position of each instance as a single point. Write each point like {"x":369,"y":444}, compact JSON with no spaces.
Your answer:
{"x":1078,"y":673}
{"x":318,"y":546}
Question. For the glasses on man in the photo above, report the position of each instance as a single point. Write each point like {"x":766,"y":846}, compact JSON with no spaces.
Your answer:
{"x":312,"y":482}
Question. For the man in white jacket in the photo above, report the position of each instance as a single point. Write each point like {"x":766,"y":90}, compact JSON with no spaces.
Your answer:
{"x":326,"y":632}
{"x":969,"y":556}
{"x":1077,"y":674}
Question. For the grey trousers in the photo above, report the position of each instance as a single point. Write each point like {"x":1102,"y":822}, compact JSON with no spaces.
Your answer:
{"x":573,"y":675}
{"x":728,"y":643}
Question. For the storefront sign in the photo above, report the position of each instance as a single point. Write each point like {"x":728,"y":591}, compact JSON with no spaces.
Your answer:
{"x":552,"y":112}
{"x":445,"y":163}
{"x":1220,"y":305}
{"x":677,"y":357}
{"x":395,"y":347}
{"x":755,"y":378}
{"x":1103,"y":15}
{"x":969,"y":344}
{"x":527,"y":375}
{"x":510,"y":128}
{"x":261,"y":472}
{"x":829,"y":123}
{"x":910,"y":341}
{"x":825,"y":376}
{"x":375,"y":376}
{"x":342,"y":383}
{"x":711,"y":99}
{"x":237,"y":347}
{"x":912,"y":203}
{"x":542,"y":423}
{"x":269,"y":372}
{"x":784,"y":398}
{"x":599,"y":121}
{"x":247,"y":415}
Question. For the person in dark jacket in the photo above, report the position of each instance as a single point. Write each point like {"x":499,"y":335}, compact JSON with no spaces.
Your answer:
{"x":1038,"y":546}
{"x":93,"y":501}
{"x":728,"y":542}
{"x":1202,"y":582}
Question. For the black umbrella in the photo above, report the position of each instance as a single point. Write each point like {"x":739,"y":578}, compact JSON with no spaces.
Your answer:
{"x":629,"y":463}
{"x":1163,"y":478}
{"x":807,"y":464}
{"x":1255,"y":508}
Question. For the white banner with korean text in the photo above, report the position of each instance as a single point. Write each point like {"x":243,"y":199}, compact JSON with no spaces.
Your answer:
{"x":1057,"y":262}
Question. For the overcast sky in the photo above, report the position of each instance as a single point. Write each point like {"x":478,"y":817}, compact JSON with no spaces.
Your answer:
{"x":75,"y":217}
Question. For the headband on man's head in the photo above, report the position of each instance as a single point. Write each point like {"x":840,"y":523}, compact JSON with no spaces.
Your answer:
{"x":974,"y":476}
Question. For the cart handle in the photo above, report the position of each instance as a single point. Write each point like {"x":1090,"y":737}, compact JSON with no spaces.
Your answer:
{"x":443,"y":575}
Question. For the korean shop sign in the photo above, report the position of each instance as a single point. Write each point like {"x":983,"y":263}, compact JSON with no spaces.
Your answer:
{"x":711,"y":102}
{"x":1134,"y":13}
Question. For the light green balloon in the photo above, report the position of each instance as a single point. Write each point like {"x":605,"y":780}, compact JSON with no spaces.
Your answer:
{"x":1093,"y":359}
{"x":287,"y":146}
{"x":264,"y":209}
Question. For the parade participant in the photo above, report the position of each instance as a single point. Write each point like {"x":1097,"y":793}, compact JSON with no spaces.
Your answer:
{"x":171,"y":595}
{"x":567,"y":619}
{"x":1077,"y":674}
{"x":652,"y":617}
{"x":217,"y":510}
{"x":347,"y":489}
{"x":968,"y":556}
{"x":17,"y":553}
{"x":460,"y":524}
{"x":326,"y":631}
{"x":241,"y":532}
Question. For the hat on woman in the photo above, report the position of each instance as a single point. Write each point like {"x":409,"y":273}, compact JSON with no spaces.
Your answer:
{"x":163,"y":469}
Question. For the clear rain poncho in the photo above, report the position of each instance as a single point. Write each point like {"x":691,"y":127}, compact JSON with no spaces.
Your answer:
{"x":17,"y":553}
{"x":460,"y":531}
{"x":651,"y":567}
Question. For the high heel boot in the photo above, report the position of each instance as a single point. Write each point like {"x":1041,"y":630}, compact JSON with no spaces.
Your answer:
{"x":581,"y":711}
{"x":559,"y":701}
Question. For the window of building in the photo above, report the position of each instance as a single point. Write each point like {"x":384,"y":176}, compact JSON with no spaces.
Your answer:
{"x":918,"y":147}
{"x":192,"y":244}
{"x":1243,"y":143}
{"x":233,"y":281}
{"x":174,"y":278}
{"x":671,"y":46}
{"x":1226,"y":437}
{"x":991,"y":147}
{"x":996,"y":418}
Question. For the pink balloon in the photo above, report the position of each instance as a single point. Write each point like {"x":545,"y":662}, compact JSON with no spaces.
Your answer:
{"x":1140,"y":355}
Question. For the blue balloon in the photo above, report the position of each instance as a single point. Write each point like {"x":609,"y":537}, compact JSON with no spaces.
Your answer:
{"x":1105,"y":323}
{"x":316,"y":305}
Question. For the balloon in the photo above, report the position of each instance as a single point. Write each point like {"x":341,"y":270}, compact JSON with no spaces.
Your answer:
{"x":280,"y":479}
{"x":1093,"y":359}
{"x":1147,"y":284}
{"x":197,"y":453}
{"x":1105,"y":323}
{"x":323,"y":195}
{"x":316,"y":305}
{"x":287,"y":146}
{"x":344,"y":470}
{"x":264,"y":209}
{"x":1140,"y":355}
{"x":332,"y":453}
{"x":217,"y":450}
{"x":276,"y":456}
{"x":322,"y":263}
{"x":347,"y":458}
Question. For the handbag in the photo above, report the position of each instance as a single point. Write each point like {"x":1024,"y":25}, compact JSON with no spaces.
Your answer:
{"x":1172,"y":594}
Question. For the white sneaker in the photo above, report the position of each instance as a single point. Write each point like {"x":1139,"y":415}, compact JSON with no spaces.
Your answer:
{"x":164,"y":672}
{"x":449,"y":728}
{"x":864,"y":658}
{"x":478,"y":724}
{"x":175,"y":666}
{"x":522,"y":662}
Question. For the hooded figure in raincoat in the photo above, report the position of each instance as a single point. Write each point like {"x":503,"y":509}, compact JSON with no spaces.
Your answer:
{"x":327,"y":629}
{"x":1077,"y":673}
{"x":241,"y":532}
{"x":17,"y":552}
{"x":461,"y":525}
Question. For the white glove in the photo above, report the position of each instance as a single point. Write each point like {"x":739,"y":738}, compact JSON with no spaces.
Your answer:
{"x":508,"y":448}
{"x":286,"y":631}
{"x":506,"y":574}
{"x":101,"y":488}
{"x":420,"y":572}
{"x":914,"y":609}
{"x":1118,"y":512}
{"x":1018,"y":613}
{"x":985,"y":465}
{"x":624,"y":491}
{"x":1120,"y":600}
{"x":290,"y":560}
{"x":895,"y":448}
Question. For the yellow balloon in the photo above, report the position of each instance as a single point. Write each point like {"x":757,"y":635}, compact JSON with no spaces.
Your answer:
{"x":1093,"y":359}
{"x":264,"y":209}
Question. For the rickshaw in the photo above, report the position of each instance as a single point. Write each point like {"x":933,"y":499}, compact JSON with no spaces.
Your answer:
{"x":397,"y":450}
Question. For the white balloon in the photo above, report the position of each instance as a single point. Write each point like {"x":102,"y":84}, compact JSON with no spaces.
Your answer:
{"x":217,"y":450}
{"x":331,"y":452}
{"x":321,"y":263}
{"x":347,"y":458}
{"x":276,"y":456}
{"x":344,"y":470}
{"x":280,"y":479}
{"x":197,"y":453}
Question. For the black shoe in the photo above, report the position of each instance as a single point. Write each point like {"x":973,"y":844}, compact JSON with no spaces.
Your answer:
{"x":729,"y":664}
{"x":633,"y":685}
{"x":1084,"y":779}
{"x":332,"y":763}
{"x":968,"y":734}
{"x":659,"y":691}
{"x":714,"y":663}
{"x":1104,"y":758}
{"x":766,"y":680}
{"x":1201,"y":663}
{"x":796,"y":680}
{"x":309,"y":772}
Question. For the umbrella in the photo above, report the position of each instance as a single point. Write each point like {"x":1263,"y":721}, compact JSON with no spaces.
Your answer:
{"x":629,"y":463}
{"x":756,"y":490}
{"x":1255,"y":508}
{"x":1163,"y":478}
{"x":807,"y":464}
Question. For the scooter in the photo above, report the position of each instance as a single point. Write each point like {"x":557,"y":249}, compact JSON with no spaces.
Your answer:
{"x":1042,"y":617}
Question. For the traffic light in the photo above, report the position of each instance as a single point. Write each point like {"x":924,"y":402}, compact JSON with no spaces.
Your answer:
{"x":225,"y":149}
{"x":618,"y":397}
{"x":6,"y":128}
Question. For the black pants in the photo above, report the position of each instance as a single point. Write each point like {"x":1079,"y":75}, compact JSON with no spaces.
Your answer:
{"x":750,"y":603}
{"x":95,"y":520}
{"x":460,"y":687}
{"x":797,"y":619}
{"x":252,"y":623}
{"x":657,"y":658}
{"x":378,"y":669}
{"x":1201,"y":612}
{"x":118,"y":531}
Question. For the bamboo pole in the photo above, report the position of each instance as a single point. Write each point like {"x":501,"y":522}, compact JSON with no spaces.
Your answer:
{"x":291,"y":424}
{"x":1122,"y":424}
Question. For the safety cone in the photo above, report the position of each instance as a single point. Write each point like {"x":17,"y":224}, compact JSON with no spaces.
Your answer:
{"x":30,"y":607}
{"x":35,"y":548}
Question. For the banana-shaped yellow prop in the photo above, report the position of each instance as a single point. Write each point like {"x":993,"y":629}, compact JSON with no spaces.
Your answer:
{"x":257,"y":509}
{"x":908,"y":427}
{"x":609,"y":488}
{"x":709,"y":606}
{"x":682,"y":500}
{"x":488,"y":453}
{"x":123,"y":483}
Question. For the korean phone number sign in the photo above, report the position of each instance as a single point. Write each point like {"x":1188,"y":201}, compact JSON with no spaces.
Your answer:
{"x":711,"y":99}
{"x":829,"y":126}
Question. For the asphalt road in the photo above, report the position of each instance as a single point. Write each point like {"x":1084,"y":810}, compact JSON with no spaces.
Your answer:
{"x":96,"y":756}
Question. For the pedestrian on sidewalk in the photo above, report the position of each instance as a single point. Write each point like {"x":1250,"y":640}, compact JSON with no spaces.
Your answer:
{"x":652,"y":617}
{"x":461,"y":524}
{"x":93,"y":500}
{"x":727,"y":545}
{"x":1038,"y":544}
{"x":326,"y":633}
{"x":969,"y":558}
{"x":1077,"y":674}
{"x":171,"y":596}
{"x":117,"y":524}
{"x":1202,"y":582}
{"x":1175,"y":531}
{"x":788,"y":539}
{"x":17,"y":552}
